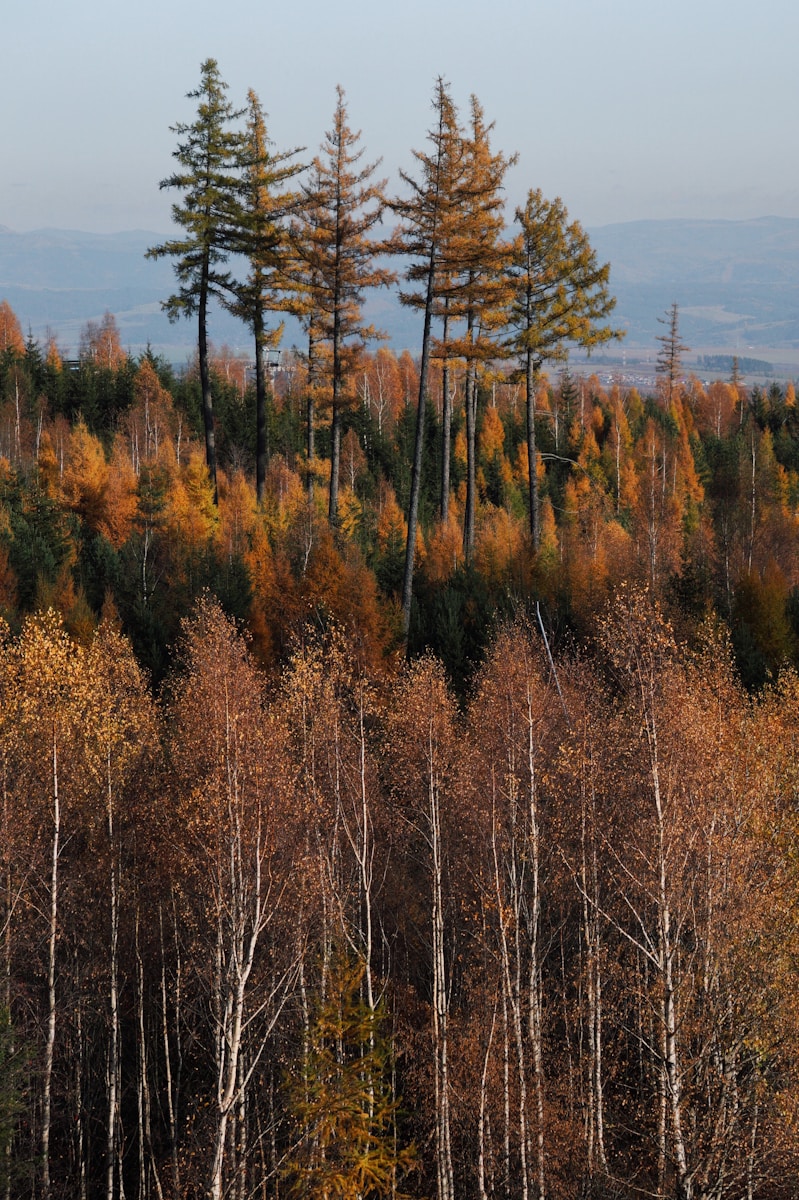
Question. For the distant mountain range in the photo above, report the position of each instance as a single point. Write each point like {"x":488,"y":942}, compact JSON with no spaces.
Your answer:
{"x":736,"y":282}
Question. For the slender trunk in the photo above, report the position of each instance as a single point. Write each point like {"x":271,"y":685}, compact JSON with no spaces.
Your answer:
{"x":483,"y":1117}
{"x":531,"y":380}
{"x":535,"y":1022}
{"x":446,"y":425}
{"x":51,"y":990}
{"x":310,"y":420}
{"x":440,"y":998}
{"x":511,"y":980}
{"x":5,"y":1005}
{"x":147,"y":1158}
{"x":671,"y":1067}
{"x":753,"y":503}
{"x":335,"y":464}
{"x":418,"y":451}
{"x":471,"y":461}
{"x":335,"y":428}
{"x":261,"y":428}
{"x":171,"y":1079}
{"x":113,"y":1048}
{"x":205,"y":381}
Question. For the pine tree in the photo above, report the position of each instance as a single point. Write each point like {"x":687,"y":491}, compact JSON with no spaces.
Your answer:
{"x":342,"y":205}
{"x":561,"y":296}
{"x":210,"y":155}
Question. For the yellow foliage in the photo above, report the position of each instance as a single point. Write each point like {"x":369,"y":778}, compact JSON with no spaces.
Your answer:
{"x":192,"y":503}
{"x":238,"y":513}
{"x":350,"y":512}
{"x":49,"y":471}
{"x":11,"y":338}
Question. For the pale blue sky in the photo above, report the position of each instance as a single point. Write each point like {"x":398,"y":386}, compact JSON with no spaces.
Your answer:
{"x":627,"y":109}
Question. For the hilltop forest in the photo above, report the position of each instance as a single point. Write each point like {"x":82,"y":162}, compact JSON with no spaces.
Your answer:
{"x":397,"y":754}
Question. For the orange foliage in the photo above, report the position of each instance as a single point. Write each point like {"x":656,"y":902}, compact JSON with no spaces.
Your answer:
{"x":392,"y":528}
{"x":84,"y":483}
{"x":120,"y":497}
{"x":231,"y":366}
{"x":499,"y":545}
{"x":100,"y":344}
{"x":53,"y":356}
{"x":150,"y":421}
{"x":382,"y":387}
{"x":445,"y":551}
{"x":11,"y":338}
{"x":492,"y":435}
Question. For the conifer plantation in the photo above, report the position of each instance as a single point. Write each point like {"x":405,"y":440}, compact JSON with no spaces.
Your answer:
{"x":398,"y":759}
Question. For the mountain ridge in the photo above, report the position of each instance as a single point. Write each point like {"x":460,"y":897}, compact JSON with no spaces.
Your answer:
{"x":736,"y":282}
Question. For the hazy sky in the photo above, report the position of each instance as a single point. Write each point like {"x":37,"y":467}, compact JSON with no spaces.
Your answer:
{"x":627,"y":109}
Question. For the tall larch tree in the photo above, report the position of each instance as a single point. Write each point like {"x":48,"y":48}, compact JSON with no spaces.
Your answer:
{"x":342,"y":205}
{"x":672,"y":348}
{"x":209,"y":155}
{"x":262,"y":237}
{"x":482,"y":287}
{"x":561,"y":299}
{"x":429,"y":216}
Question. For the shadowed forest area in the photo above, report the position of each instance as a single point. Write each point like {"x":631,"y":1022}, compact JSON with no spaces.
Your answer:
{"x":293,"y":907}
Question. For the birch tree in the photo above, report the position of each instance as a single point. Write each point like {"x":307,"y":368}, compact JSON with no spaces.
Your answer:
{"x":238,"y":820}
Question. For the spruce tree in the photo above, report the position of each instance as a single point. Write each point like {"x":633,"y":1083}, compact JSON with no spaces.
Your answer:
{"x":210,"y":156}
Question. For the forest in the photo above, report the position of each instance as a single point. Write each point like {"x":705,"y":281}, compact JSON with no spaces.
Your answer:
{"x":398,"y":758}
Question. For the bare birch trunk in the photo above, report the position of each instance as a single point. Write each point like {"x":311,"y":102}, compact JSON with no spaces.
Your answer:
{"x":113,"y":1049}
{"x":47,"y":1080}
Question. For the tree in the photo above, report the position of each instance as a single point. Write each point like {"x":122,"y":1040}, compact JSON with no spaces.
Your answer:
{"x":482,"y":285}
{"x":262,"y":237}
{"x":561,"y":296}
{"x":11,"y":338}
{"x":672,"y":348}
{"x":428,"y":217}
{"x":209,"y":156}
{"x":342,"y":205}
{"x":231,"y":784}
{"x":341,"y":1098}
{"x":100,"y":343}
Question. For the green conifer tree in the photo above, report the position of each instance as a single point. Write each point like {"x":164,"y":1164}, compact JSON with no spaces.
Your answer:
{"x":210,"y":154}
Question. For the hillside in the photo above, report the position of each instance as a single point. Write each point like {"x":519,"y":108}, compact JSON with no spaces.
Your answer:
{"x":737,"y":284}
